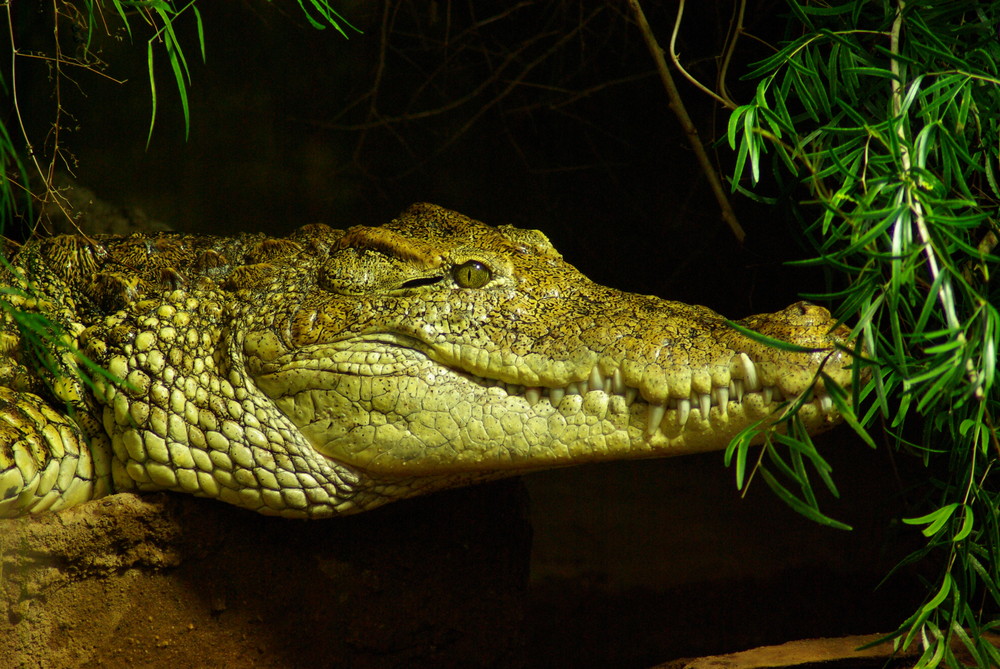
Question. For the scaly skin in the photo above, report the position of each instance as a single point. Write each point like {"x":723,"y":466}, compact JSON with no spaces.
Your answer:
{"x":334,"y":371}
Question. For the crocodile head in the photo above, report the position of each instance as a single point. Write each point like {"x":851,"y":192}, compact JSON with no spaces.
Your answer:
{"x":436,"y":351}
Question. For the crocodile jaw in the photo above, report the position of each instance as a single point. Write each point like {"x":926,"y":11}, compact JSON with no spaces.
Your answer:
{"x":397,"y":409}
{"x":439,"y":421}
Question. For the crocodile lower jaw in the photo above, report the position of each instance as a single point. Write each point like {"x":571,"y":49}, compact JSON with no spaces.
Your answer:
{"x":339,"y":398}
{"x":675,"y":412}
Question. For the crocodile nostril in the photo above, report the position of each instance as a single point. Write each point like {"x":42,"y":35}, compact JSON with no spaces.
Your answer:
{"x":809,"y":314}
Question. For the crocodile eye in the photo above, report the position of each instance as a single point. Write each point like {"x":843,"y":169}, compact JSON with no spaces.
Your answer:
{"x":472,"y":274}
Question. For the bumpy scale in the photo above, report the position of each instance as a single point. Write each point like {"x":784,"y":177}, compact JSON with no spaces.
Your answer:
{"x":333,"y":371}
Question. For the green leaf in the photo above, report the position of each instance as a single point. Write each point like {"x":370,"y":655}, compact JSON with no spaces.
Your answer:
{"x":798,"y":505}
{"x":739,"y":447}
{"x":942,"y":593}
{"x":934,"y":520}
{"x":771,"y":341}
{"x":152,"y":92}
{"x":846,"y":411}
{"x":967,"y":524}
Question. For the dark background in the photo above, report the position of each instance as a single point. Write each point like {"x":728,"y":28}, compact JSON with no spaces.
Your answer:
{"x":545,"y":115}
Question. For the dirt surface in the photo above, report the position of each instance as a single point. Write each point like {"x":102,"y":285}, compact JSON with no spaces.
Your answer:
{"x":173,"y":581}
{"x":634,"y":564}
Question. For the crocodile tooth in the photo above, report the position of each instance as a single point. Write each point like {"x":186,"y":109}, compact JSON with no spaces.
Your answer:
{"x":532,"y":395}
{"x":750,"y":373}
{"x":825,"y":402}
{"x":654,"y":416}
{"x":596,"y":381}
{"x":573,"y":389}
{"x":737,"y":389}
{"x":584,"y":387}
{"x":618,"y":383}
{"x":768,"y":393}
{"x":683,"y":411}
{"x":556,"y":395}
{"x":722,"y":397}
{"x":705,"y":405}
{"x":631,"y":394}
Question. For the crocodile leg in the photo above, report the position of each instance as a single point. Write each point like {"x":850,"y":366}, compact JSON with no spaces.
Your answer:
{"x":45,"y":463}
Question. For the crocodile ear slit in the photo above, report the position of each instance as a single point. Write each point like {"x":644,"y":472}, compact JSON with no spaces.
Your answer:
{"x":423,"y":281}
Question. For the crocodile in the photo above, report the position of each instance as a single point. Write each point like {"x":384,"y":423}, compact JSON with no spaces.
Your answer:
{"x":331,"y":371}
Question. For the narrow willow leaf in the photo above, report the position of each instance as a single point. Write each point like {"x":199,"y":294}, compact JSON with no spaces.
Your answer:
{"x":934,"y":520}
{"x":991,"y":177}
{"x":152,"y":93}
{"x":798,"y":505}
{"x":200,"y":28}
{"x":750,"y":139}
{"x":967,"y":524}
{"x":731,"y":130}
{"x":846,"y":411}
{"x":118,"y":5}
{"x":771,"y":341}
{"x":932,"y":655}
{"x":936,"y":601}
{"x":739,"y":447}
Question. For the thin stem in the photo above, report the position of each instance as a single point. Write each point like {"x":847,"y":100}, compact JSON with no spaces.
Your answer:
{"x":945,"y":291}
{"x":45,"y":174}
{"x":737,"y":30}
{"x":677,"y":106}
{"x":675,"y":59}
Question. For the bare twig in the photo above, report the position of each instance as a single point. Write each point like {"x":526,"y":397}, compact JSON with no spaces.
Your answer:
{"x":518,"y":80}
{"x":675,"y":59}
{"x":677,"y":105}
{"x":735,"y":30}
{"x":570,"y":96}
{"x":46,"y":173}
{"x":72,"y":62}
{"x":511,"y":71}
{"x":377,"y":120}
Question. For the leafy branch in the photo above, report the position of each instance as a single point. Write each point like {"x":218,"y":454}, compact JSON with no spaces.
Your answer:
{"x":889,"y":114}
{"x":159,"y":19}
